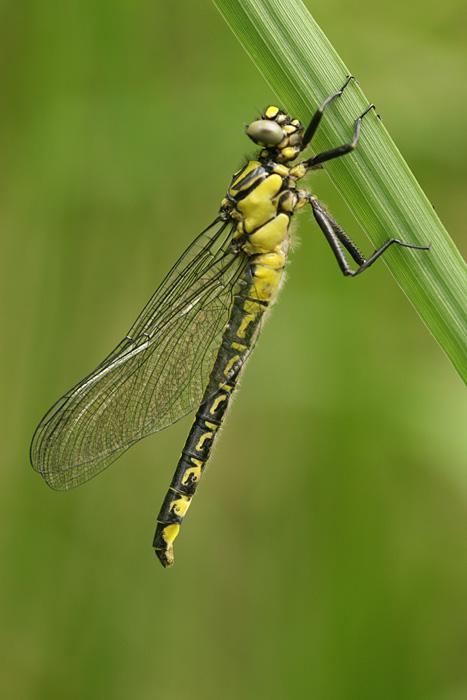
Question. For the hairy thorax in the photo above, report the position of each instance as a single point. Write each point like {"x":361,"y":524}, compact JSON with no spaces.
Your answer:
{"x":262,"y":198}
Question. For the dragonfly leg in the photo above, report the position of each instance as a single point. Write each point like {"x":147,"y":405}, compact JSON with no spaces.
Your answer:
{"x":337,"y":237}
{"x":339,"y":150}
{"x":318,"y":115}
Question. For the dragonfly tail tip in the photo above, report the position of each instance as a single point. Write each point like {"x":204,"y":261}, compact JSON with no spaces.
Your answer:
{"x":165,"y":556}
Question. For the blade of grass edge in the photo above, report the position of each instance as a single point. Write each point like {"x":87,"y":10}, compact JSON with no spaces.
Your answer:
{"x":302,"y":68}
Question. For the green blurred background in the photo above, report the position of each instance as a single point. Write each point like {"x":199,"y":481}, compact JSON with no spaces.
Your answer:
{"x":325,"y":555}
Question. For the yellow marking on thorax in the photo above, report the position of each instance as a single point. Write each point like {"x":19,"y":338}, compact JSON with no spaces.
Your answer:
{"x":202,"y":440}
{"x":252,"y":165}
{"x":239,"y":232}
{"x":289,"y":201}
{"x":180,"y":506}
{"x":281,"y":169}
{"x":216,"y":403}
{"x":259,"y":206}
{"x":269,"y":236}
{"x":298,"y":171}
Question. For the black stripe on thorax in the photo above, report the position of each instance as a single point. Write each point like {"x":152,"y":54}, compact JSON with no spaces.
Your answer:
{"x":244,"y":193}
{"x":259,"y":172}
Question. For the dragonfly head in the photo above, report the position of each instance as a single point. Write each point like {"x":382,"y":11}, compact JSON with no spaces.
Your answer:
{"x":279,"y":134}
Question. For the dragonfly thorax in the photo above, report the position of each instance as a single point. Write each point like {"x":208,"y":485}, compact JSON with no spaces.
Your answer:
{"x":279,"y":134}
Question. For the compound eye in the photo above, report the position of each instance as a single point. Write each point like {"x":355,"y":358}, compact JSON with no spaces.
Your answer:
{"x":265,"y":132}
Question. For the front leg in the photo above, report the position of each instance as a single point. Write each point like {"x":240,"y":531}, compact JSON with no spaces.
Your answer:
{"x":339,"y":151}
{"x":318,"y":115}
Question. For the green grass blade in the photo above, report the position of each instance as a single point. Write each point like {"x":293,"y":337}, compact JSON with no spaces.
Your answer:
{"x":303,"y":68}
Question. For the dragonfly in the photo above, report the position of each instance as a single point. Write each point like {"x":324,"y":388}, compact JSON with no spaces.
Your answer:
{"x":189,"y":345}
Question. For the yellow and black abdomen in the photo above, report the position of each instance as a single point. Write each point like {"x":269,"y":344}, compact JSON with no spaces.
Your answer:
{"x":237,"y":340}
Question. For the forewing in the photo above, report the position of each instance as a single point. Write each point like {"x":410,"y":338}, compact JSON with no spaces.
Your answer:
{"x":154,"y":376}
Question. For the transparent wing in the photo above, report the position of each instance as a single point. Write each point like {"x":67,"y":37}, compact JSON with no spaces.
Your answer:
{"x":154,"y":376}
